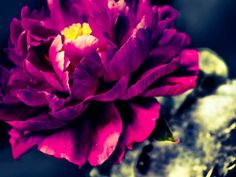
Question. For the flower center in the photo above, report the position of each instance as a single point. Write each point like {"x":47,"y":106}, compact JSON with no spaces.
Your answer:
{"x":75,"y":30}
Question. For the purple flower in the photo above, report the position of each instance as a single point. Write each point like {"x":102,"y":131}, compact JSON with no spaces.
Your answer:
{"x":86,"y":74}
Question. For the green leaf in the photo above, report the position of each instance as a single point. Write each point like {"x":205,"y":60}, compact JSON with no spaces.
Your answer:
{"x":162,"y":132}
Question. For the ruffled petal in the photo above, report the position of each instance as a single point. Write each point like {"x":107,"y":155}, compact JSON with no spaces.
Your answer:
{"x":82,"y":46}
{"x":130,"y":56}
{"x":86,"y":76}
{"x":144,"y":114}
{"x":42,"y":121}
{"x":144,"y":10}
{"x":165,"y":18}
{"x":67,"y":144}
{"x":38,"y":31}
{"x":149,"y":77}
{"x":32,"y":97}
{"x":106,"y":137}
{"x":15,"y":30}
{"x":17,"y":79}
{"x":56,"y":13}
{"x":114,"y":93}
{"x":183,"y":79}
{"x":78,"y":143}
{"x":139,"y":119}
{"x":70,"y":112}
{"x":18,"y":43}
{"x":97,"y":12}
{"x":21,"y":143}
{"x":46,"y":76}
{"x":59,"y":62}
{"x":172,"y":42}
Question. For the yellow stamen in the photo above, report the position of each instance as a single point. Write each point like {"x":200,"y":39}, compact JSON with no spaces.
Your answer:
{"x":75,"y":30}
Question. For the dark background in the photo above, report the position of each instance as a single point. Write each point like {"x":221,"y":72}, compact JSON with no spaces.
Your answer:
{"x":210,"y":23}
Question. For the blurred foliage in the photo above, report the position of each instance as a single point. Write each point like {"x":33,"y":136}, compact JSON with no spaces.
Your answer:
{"x":204,"y":120}
{"x":212,"y":64}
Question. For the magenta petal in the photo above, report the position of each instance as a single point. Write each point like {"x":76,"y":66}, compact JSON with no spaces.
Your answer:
{"x":39,"y":31}
{"x":167,"y":36}
{"x":82,"y":46}
{"x":15,"y":30}
{"x":40,"y":122}
{"x":181,"y":80}
{"x":64,"y":144}
{"x":86,"y":75}
{"x":139,"y":119}
{"x":59,"y":62}
{"x":97,"y":12}
{"x":55,"y":103}
{"x":106,"y":138}
{"x":145,"y":115}
{"x":129,"y":57}
{"x":166,"y":17}
{"x":17,"y":49}
{"x":89,"y":139}
{"x":167,"y":13}
{"x":172,"y":86}
{"x":144,"y":10}
{"x":10,"y":97}
{"x":35,"y":23}
{"x":171,"y":42}
{"x":114,"y":93}
{"x":21,"y":46}
{"x":21,"y":143}
{"x":149,"y":77}
{"x":70,"y":112}
{"x":32,"y":97}
{"x":56,"y":13}
{"x":17,"y":79}
{"x":45,"y":76}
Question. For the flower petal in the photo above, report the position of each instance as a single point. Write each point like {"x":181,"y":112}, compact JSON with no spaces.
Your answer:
{"x":114,"y":93}
{"x":20,"y":143}
{"x":15,"y":30}
{"x":81,"y":47}
{"x":183,"y":79}
{"x":106,"y":137}
{"x":72,"y":143}
{"x":144,"y":114}
{"x":59,"y":62}
{"x":139,"y":119}
{"x":167,"y":13}
{"x":45,"y":76}
{"x":70,"y":112}
{"x":129,"y":57}
{"x":86,"y":75}
{"x":32,"y":97}
{"x":149,"y":77}
{"x":166,"y":16}
{"x":66,"y":144}
{"x":173,"y":43}
{"x":56,"y":13}
{"x":43,"y":121}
